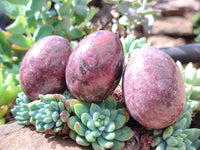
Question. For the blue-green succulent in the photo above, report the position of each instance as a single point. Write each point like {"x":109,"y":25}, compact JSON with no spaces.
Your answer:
{"x":21,"y":110}
{"x":178,"y":136}
{"x":100,"y":124}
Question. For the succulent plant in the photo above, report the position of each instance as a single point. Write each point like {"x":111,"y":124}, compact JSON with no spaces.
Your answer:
{"x":99,"y":124}
{"x":192,"y":80}
{"x":21,"y":110}
{"x":49,"y":114}
{"x":130,"y":44}
{"x":178,"y":136}
{"x":3,"y":111}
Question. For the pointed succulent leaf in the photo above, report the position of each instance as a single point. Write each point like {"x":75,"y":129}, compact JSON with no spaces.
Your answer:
{"x":96,"y":116}
{"x":72,"y":102}
{"x":96,"y":146}
{"x":79,"y":109}
{"x":73,"y":135}
{"x":104,"y":143}
{"x":196,"y":143}
{"x":80,"y":128}
{"x":85,"y":117}
{"x":187,"y":142}
{"x":124,"y":134}
{"x":90,"y":136}
{"x":110,"y":103}
{"x":118,"y":145}
{"x":32,"y":106}
{"x":113,"y":114}
{"x":192,"y":133}
{"x":106,"y":121}
{"x":24,"y":122}
{"x":55,"y":116}
{"x":167,"y":132}
{"x":161,"y":146}
{"x":55,"y":105}
{"x":156,"y":141}
{"x":48,"y":126}
{"x":119,"y":121}
{"x":50,"y":107}
{"x":94,"y":108}
{"x":171,"y":148}
{"x":64,"y":115}
{"x":61,"y":106}
{"x":109,"y":135}
{"x":47,"y":120}
{"x":110,"y":127}
{"x":177,"y":132}
{"x":91,"y":124}
{"x":180,"y":124}
{"x":105,"y":112}
{"x":40,"y":126}
{"x":124,"y":112}
{"x":190,"y":74}
{"x":191,"y":148}
{"x":71,"y":122}
{"x":39,"y":117}
{"x":57,"y":129}
{"x":82,"y":141}
{"x":172,"y":141}
{"x":195,"y":95}
{"x":59,"y":97}
{"x":59,"y":123}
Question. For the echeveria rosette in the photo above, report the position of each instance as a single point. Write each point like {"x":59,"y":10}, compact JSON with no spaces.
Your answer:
{"x":49,"y":114}
{"x":21,"y":110}
{"x":178,"y":136}
{"x":100,"y":124}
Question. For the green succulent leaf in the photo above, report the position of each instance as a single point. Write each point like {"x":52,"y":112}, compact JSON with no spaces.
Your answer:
{"x":167,"y":132}
{"x":110,"y":127}
{"x":192,"y":134}
{"x":119,"y":121}
{"x":85,"y":117}
{"x":82,"y":141}
{"x":118,"y":145}
{"x":90,"y":136}
{"x":172,"y":141}
{"x":124,"y":134}
{"x":64,"y":115}
{"x":109,"y":135}
{"x":96,"y":146}
{"x":104,"y":143}
{"x":80,"y":128}
{"x":94,"y":108}
{"x":79,"y":109}
{"x":113,"y":114}
{"x":73,"y":135}
{"x":71,"y":122}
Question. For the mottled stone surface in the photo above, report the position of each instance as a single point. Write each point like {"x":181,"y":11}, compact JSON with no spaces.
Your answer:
{"x":16,"y":137}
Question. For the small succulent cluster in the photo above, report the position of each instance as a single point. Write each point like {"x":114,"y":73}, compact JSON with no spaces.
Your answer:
{"x":99,"y":124}
{"x":130,"y":44}
{"x":192,"y":80}
{"x":21,"y":110}
{"x":178,"y":136}
{"x":47,"y":114}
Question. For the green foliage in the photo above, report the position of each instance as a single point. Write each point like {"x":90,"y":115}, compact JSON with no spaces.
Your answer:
{"x":196,"y":26}
{"x":34,"y":20}
{"x":130,"y":44}
{"x":21,"y":110}
{"x":192,"y":80}
{"x":99,"y":124}
{"x":131,"y":13}
{"x":178,"y":135}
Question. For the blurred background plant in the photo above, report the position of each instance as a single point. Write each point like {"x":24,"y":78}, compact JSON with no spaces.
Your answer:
{"x":196,"y":26}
